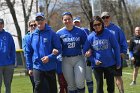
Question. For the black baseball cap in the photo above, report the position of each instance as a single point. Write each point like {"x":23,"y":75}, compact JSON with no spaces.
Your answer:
{"x":1,"y":21}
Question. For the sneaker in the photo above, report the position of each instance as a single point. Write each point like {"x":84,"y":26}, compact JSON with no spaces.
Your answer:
{"x":132,"y":83}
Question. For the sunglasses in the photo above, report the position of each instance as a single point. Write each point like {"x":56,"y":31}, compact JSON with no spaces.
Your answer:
{"x":33,"y":25}
{"x":66,"y":13}
{"x":99,"y":24}
{"x":105,"y":17}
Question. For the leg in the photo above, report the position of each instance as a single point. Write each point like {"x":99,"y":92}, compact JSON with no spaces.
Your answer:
{"x":8,"y":76}
{"x":118,"y":79}
{"x":32,"y":81}
{"x":51,"y":79}
{"x":45,"y":86}
{"x":79,"y":72}
{"x":98,"y":73}
{"x":89,"y":79}
{"x":135,"y":73}
{"x":68,"y":72}
{"x":119,"y":83}
{"x":38,"y":79}
{"x":1,"y":74}
{"x":62,"y":83}
{"x":109,"y":75}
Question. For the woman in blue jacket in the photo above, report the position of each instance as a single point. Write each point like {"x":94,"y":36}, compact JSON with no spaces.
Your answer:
{"x":105,"y":55}
{"x":31,"y":25}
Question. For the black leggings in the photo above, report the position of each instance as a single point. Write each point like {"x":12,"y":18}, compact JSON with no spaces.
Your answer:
{"x":107,"y":73}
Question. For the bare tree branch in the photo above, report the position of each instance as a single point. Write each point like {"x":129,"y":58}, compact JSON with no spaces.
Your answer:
{"x":26,"y":14}
{"x":13,"y":13}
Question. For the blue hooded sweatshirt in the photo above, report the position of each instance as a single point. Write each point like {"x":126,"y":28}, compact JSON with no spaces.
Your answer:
{"x":7,"y":49}
{"x":119,"y":34}
{"x":40,"y":44}
{"x":102,"y":46}
{"x":72,"y":41}
{"x":24,"y":40}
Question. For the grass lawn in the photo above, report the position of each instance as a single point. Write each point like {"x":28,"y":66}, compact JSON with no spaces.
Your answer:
{"x":21,"y":84}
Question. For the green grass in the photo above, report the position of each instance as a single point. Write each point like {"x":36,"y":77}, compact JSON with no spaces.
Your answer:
{"x":21,"y":84}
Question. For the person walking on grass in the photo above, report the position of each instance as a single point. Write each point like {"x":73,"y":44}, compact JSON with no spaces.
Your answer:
{"x":134,"y":53}
{"x":89,"y":78}
{"x":73,"y":65}
{"x":120,"y":37}
{"x":7,"y":56}
{"x":104,"y":54}
{"x":31,"y":25}
{"x":40,"y":60}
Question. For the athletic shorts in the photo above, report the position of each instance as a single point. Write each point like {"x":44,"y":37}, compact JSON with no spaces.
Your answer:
{"x":136,"y":63}
{"x":118,"y":72}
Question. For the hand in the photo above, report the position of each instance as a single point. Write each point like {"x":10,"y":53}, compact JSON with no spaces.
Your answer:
{"x":132,"y":59}
{"x":122,"y":55}
{"x":98,"y":62}
{"x":118,"y":67}
{"x":88,"y":62}
{"x":55,"y":51}
{"x":30,"y":72}
{"x":45,"y":59}
{"x":88,"y":53}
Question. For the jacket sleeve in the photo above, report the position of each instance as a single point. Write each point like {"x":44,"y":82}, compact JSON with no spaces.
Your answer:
{"x":24,"y":44}
{"x":29,"y":53}
{"x":86,"y":46}
{"x":83,"y":37}
{"x":12,"y":50}
{"x":122,"y":42}
{"x":116,"y":49}
{"x":56,"y":45}
{"x":131,"y":46}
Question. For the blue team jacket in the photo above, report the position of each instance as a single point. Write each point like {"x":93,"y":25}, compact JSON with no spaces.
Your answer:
{"x":102,"y":46}
{"x":40,"y":44}
{"x":7,"y":49}
{"x":24,"y":40}
{"x":119,"y":34}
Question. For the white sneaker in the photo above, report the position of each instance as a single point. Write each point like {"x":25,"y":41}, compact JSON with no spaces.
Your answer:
{"x":132,"y":83}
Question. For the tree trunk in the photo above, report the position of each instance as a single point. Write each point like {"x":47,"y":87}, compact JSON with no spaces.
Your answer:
{"x":12,"y":11}
{"x":26,"y":14}
{"x":128,"y":18}
{"x":120,"y":14}
{"x":85,"y":5}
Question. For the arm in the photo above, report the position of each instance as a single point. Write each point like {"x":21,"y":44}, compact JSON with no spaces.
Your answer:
{"x":29,"y":53}
{"x":12,"y":50}
{"x":122,"y":42}
{"x":24,"y":43}
{"x":56,"y":45}
{"x":116,"y":49}
{"x":87,"y":46}
{"x":131,"y":46}
{"x":83,"y":37}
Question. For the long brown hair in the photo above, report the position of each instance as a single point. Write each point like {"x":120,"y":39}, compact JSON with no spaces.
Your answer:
{"x":96,"y":18}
